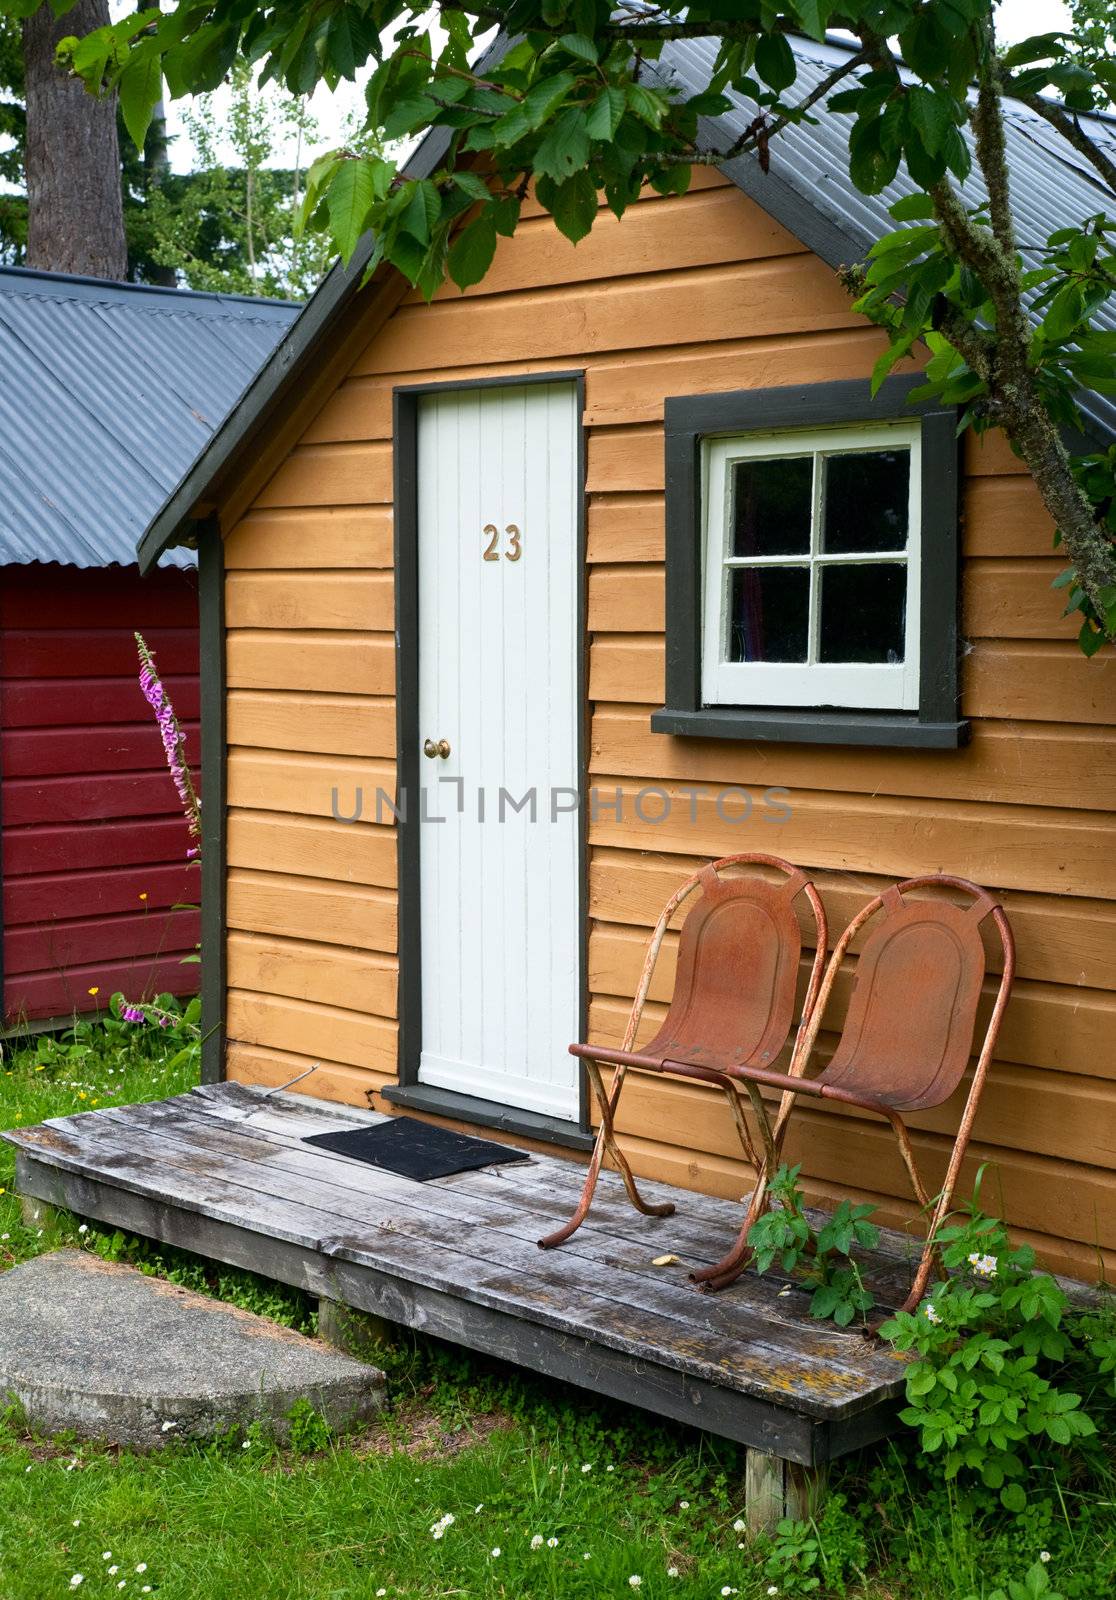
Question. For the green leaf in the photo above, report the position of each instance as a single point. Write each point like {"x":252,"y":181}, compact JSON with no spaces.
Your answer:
{"x":648,"y":107}
{"x":471,"y":253}
{"x":565,"y":149}
{"x":572,"y":204}
{"x":421,"y":212}
{"x":576,"y":44}
{"x":930,"y":117}
{"x":141,"y":84}
{"x":1013,"y":1497}
{"x":775,"y":61}
{"x":912,"y":208}
{"x":606,"y":113}
{"x":349,"y":197}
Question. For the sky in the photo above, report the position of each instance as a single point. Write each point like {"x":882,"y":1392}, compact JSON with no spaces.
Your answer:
{"x":1016,"y":19}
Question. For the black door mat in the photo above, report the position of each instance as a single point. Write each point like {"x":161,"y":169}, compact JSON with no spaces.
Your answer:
{"x":413,"y":1149}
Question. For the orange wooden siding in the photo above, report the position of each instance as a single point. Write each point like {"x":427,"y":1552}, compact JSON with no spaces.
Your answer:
{"x":1026,"y":808}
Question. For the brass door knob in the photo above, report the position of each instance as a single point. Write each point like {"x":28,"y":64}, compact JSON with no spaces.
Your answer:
{"x":434,"y":748}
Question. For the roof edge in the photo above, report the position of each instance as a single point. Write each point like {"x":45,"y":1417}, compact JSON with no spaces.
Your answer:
{"x":283,"y":368}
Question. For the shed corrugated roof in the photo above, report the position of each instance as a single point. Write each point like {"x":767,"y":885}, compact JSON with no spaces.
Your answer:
{"x":808,"y":189}
{"x":108,"y":391}
{"x":808,"y":184}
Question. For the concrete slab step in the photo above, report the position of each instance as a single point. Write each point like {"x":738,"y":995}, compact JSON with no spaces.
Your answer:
{"x":105,"y":1352}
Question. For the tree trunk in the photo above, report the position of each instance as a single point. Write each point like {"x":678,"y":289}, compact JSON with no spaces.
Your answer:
{"x":75,"y":217}
{"x":156,"y":166}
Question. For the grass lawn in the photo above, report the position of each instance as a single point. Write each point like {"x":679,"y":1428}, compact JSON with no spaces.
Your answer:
{"x":550,"y":1494}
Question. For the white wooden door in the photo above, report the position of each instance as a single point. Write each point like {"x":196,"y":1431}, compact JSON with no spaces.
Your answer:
{"x":498,"y":650}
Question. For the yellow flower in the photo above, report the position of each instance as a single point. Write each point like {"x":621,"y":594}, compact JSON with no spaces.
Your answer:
{"x":81,"y":1094}
{"x":96,"y":989}
{"x":40,"y":1067}
{"x":143,"y":896}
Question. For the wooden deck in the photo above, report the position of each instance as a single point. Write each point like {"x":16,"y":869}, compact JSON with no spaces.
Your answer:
{"x":223,"y":1171}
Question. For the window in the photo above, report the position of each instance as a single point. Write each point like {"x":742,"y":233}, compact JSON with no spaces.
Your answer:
{"x":811,"y":566}
{"x":811,"y":571}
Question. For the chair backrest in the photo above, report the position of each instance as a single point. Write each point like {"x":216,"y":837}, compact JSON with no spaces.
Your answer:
{"x":738,"y":961}
{"x":911,"y":1022}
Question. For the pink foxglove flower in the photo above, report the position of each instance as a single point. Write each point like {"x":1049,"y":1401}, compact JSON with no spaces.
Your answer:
{"x":174,"y":745}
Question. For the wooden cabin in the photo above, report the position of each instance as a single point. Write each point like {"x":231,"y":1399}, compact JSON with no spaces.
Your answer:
{"x":107,"y":392}
{"x":620,"y":526}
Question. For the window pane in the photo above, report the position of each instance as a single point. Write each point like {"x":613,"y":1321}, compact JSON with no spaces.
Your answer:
{"x":769,"y":608}
{"x":771,"y":506}
{"x":863,"y":612}
{"x":866,"y":499}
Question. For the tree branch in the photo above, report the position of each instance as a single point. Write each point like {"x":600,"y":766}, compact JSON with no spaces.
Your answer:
{"x":1072,"y":132}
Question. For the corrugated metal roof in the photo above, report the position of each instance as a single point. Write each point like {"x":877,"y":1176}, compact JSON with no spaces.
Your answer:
{"x":1052,"y":185}
{"x":108,"y":391}
{"x":808,"y":189}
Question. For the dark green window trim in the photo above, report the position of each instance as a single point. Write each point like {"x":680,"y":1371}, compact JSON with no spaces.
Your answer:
{"x":690,"y":419}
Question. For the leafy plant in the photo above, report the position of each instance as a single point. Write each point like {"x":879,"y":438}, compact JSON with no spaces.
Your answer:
{"x":823,"y":1258}
{"x":1035,"y":1586}
{"x":986,"y":1394}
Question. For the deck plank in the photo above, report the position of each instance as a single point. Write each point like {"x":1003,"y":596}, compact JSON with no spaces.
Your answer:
{"x":484,"y":1258}
{"x":224,"y":1170}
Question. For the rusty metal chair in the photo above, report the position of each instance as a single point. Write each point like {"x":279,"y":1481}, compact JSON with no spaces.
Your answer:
{"x":733,"y":1005}
{"x":907,"y":1039}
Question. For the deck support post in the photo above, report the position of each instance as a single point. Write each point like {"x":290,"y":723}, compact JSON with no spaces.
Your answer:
{"x":775,"y":1489}
{"x":38,"y":1213}
{"x":359,"y":1334}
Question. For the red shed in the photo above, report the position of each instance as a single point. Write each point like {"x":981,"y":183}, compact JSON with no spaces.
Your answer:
{"x":107,"y":393}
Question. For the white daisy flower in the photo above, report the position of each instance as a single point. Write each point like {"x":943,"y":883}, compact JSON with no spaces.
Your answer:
{"x":551,"y":1544}
{"x":495,"y":1550}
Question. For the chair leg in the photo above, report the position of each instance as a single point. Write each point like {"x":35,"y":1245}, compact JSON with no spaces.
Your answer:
{"x":931,"y":1256}
{"x":739,"y":1256}
{"x":730,"y":1267}
{"x":606,"y":1142}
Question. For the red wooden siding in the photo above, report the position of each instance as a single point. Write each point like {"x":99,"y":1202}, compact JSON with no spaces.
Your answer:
{"x":92,"y":841}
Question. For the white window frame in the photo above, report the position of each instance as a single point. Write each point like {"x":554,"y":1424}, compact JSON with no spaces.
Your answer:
{"x":869,"y":686}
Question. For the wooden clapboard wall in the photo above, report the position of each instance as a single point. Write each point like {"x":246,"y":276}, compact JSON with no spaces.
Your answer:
{"x":1026,"y":808}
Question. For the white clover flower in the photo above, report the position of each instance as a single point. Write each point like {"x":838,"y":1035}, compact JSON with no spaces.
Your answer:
{"x":771,"y":1589}
{"x":932,"y":1315}
{"x":739,"y":1526}
{"x":1044,"y":1556}
{"x":586,"y":1556}
{"x":536,"y":1542}
{"x":496,"y":1550}
{"x":247,"y":1445}
{"x":142,"y":1567}
{"x":114,"y":1569}
{"x":106,"y":1555}
{"x":635,"y":1581}
{"x":78,"y":1577}
{"x":683,"y":1505}
{"x":84,"y":1228}
{"x":586,"y":1466}
{"x":672,"y":1572}
{"x":77,"y":1522}
{"x":610,"y":1469}
{"x":380,"y":1594}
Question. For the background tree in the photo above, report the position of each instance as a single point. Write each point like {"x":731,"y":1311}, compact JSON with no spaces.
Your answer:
{"x":13,"y":138}
{"x":574,"y":108}
{"x":75,"y":216}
